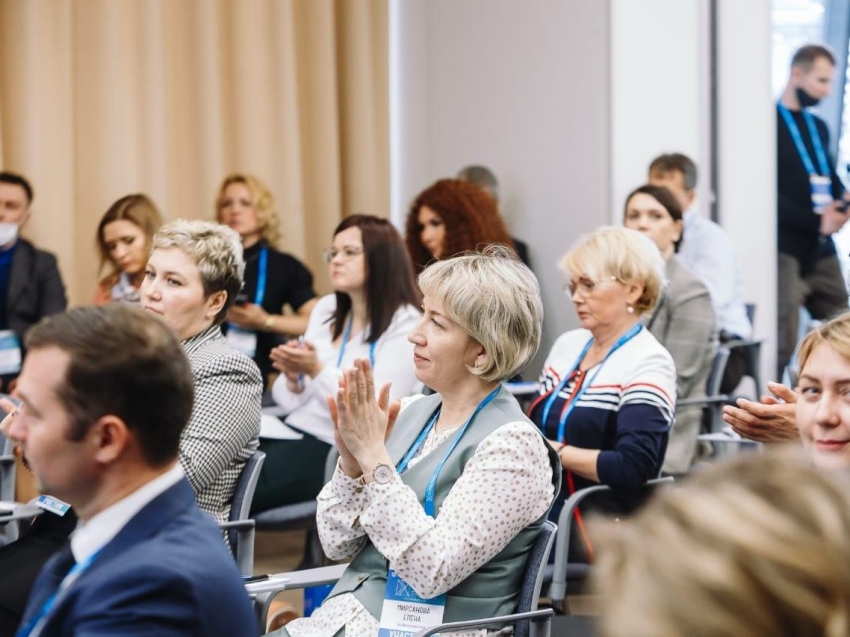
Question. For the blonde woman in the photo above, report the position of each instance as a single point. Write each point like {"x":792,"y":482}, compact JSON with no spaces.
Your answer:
{"x":759,"y":546}
{"x":273,"y":279}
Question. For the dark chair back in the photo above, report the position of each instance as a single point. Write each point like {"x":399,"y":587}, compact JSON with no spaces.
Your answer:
{"x":532,"y":579}
{"x":243,"y":495}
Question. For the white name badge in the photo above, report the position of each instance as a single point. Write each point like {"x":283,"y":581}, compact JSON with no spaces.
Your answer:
{"x":821,"y":188}
{"x":54,"y":505}
{"x":405,"y":613}
{"x":10,"y":352}
{"x":242,"y":340}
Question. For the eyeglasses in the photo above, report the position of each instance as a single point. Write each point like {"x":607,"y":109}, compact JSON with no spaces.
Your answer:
{"x":348,"y":253}
{"x":584,"y":286}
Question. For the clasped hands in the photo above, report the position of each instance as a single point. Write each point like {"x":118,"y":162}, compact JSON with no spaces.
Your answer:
{"x":249,"y":316}
{"x":294,"y":359}
{"x":773,"y":419}
{"x":362,"y":421}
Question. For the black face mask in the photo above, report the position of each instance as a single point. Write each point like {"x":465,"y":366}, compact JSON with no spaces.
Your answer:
{"x":805,"y":99}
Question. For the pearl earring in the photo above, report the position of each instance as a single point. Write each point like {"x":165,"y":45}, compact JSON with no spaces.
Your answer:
{"x":630,"y":309}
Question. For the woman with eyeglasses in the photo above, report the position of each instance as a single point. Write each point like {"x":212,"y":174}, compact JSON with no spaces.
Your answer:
{"x":608,"y":389}
{"x":273,"y":279}
{"x":374,"y":307}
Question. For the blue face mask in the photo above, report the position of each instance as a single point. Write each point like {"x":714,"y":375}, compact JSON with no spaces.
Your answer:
{"x":805,"y":99}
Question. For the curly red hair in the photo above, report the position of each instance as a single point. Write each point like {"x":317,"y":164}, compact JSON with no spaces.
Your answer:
{"x":470,"y":215}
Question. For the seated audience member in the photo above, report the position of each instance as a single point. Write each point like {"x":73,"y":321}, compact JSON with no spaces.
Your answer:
{"x":191,"y":280}
{"x":124,"y":242}
{"x":449,"y":505}
{"x":451,"y":217}
{"x":608,"y":389}
{"x":106,"y":393}
{"x":273,"y":279}
{"x":757,"y":546}
{"x":484,"y":178}
{"x":682,"y":321}
{"x":30,"y":284}
{"x":374,"y":306}
{"x":707,"y":252}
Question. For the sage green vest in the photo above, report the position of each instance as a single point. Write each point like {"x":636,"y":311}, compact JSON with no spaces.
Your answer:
{"x":492,"y":589}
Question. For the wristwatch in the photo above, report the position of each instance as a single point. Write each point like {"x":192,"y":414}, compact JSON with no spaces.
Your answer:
{"x":381,"y":474}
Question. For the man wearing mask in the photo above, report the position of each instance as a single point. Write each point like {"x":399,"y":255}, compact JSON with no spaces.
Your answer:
{"x":811,"y":201}
{"x":30,"y":284}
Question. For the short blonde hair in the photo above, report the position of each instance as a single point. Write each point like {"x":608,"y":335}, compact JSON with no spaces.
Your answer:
{"x":835,"y":333}
{"x":756,"y":546}
{"x":495,"y":299}
{"x":217,"y":251}
{"x":627,"y":255}
{"x":263,"y":201}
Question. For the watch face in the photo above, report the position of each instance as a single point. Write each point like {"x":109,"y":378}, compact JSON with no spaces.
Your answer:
{"x":383,"y":473}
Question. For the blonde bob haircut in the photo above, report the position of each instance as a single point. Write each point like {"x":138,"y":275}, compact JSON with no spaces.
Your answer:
{"x":627,"y":255}
{"x":215,"y":249}
{"x":835,"y":333}
{"x":495,"y":300}
{"x":752,"y":547}
{"x":263,"y":201}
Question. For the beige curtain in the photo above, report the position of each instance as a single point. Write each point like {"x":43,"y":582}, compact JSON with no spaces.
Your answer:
{"x":101,"y":98}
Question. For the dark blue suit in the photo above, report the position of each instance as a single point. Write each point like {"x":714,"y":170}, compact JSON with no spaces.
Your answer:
{"x":166,"y":573}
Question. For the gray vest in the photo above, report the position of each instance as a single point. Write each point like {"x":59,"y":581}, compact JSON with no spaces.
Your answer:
{"x":493,"y":588}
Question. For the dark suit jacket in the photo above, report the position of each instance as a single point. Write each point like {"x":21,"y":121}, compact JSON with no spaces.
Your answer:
{"x":166,"y":573}
{"x":35,"y":288}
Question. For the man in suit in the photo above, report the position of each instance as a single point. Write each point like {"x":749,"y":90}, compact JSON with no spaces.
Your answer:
{"x":30,"y":284}
{"x":106,"y":392}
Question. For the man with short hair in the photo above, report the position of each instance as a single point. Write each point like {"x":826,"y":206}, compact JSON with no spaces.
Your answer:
{"x":30,"y":284}
{"x":707,"y":251}
{"x":811,"y":201}
{"x":106,"y":392}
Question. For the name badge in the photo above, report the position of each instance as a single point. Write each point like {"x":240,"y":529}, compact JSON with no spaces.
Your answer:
{"x":54,"y":505}
{"x":10,"y":352}
{"x":821,"y":188}
{"x":404,"y":613}
{"x":242,"y":340}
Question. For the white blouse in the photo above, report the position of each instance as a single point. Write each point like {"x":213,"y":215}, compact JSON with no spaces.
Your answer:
{"x":308,"y":411}
{"x":505,"y":486}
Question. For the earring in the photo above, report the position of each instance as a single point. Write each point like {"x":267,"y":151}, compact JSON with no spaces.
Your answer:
{"x":630,"y":309}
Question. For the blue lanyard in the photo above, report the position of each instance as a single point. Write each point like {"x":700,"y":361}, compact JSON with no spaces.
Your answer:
{"x":50,"y":602}
{"x":798,"y":141}
{"x":262,"y":273}
{"x":430,"y":491}
{"x":562,"y":422}
{"x":345,"y":336}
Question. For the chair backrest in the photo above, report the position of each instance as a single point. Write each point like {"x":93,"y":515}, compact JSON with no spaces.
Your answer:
{"x":243,"y":495}
{"x":532,"y":579}
{"x":718,"y":367}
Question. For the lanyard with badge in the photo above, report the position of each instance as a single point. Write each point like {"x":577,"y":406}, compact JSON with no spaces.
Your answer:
{"x":820,"y":184}
{"x":404,"y":612}
{"x":36,"y":624}
{"x":577,"y":394}
{"x":245,"y":340}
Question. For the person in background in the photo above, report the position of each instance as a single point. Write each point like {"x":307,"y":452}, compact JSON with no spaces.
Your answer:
{"x":707,"y":251}
{"x":106,"y":392}
{"x":30,"y":284}
{"x":374,"y":306}
{"x":124,"y":242}
{"x":484,"y":178}
{"x":448,"y":500}
{"x":812,"y":204}
{"x":273,"y":279}
{"x":683,"y":319}
{"x":752,"y":547}
{"x":451,"y":217}
{"x":608,"y":389}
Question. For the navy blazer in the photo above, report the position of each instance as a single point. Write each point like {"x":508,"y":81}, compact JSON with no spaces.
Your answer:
{"x":166,"y":573}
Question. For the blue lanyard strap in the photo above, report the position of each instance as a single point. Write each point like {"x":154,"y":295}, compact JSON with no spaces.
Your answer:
{"x":50,"y":602}
{"x":262,"y":274}
{"x":345,"y":336}
{"x":801,"y":146}
{"x":431,"y":489}
{"x":573,"y":401}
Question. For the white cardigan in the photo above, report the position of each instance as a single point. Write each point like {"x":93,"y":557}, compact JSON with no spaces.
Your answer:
{"x":308,"y":411}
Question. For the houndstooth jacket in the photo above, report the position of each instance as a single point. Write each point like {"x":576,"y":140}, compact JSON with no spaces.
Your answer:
{"x":225,"y":426}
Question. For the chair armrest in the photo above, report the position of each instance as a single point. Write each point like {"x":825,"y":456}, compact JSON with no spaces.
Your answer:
{"x":237,"y":525}
{"x":535,"y":616}
{"x":708,"y":400}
